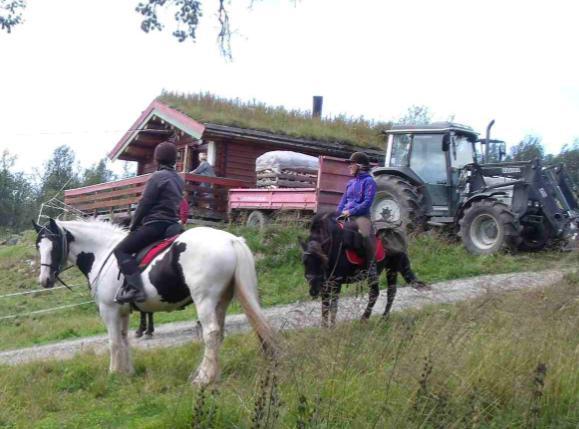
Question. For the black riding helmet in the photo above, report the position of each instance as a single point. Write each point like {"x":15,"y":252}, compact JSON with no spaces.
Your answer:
{"x":360,"y":158}
{"x":166,"y":153}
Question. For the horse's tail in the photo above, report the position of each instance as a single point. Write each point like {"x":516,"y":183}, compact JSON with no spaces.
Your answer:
{"x":246,"y":292}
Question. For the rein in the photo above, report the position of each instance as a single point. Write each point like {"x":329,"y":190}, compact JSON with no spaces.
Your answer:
{"x":94,"y":282}
{"x":57,"y":273}
{"x":337,"y":260}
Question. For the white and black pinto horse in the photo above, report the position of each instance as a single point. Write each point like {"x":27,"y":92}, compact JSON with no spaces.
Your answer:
{"x":203,"y":265}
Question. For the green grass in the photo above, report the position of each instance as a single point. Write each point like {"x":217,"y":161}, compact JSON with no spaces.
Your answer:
{"x":280,"y":274}
{"x":468,"y":365}
{"x":206,"y":107}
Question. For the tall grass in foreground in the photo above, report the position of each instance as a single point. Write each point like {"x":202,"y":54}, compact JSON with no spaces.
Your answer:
{"x":499,"y":361}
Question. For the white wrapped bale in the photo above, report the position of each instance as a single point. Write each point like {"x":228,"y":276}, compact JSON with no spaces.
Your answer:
{"x":286,"y":169}
{"x":279,"y":160}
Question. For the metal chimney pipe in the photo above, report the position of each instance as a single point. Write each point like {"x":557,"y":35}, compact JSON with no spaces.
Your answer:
{"x":317,"y":107}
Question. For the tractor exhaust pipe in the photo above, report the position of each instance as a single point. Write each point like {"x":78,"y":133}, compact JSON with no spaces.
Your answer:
{"x":489,"y":126}
{"x":488,"y":140}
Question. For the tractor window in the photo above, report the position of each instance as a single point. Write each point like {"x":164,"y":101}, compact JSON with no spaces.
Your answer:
{"x":400,"y":149}
{"x":461,"y":152}
{"x":497,"y":151}
{"x":479,"y":152}
{"x":428,"y":160}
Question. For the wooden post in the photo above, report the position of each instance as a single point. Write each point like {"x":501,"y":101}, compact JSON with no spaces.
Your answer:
{"x":186,"y":159}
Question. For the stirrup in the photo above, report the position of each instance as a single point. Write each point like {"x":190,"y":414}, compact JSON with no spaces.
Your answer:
{"x":129,"y":294}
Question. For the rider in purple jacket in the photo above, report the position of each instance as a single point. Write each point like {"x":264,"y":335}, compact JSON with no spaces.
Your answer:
{"x":357,"y":200}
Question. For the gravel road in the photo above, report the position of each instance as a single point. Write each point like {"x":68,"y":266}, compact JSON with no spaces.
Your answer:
{"x":298,"y":315}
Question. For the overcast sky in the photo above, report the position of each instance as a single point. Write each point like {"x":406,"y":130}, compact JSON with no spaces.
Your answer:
{"x":79,"y":72}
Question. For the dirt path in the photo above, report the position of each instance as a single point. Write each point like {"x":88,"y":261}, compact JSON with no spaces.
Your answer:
{"x":298,"y":315}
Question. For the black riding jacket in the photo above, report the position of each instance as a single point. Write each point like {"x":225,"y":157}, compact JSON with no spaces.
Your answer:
{"x":161,"y":198}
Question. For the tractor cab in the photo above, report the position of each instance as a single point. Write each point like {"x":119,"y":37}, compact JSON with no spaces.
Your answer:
{"x":430,"y":157}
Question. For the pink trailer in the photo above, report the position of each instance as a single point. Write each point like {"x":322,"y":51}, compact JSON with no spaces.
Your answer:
{"x":258,"y":205}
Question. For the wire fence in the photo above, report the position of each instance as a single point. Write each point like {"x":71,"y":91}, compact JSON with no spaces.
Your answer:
{"x":35,"y":291}
{"x":44,"y":311}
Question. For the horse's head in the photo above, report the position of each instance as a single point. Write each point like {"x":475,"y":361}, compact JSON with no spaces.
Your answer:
{"x":316,"y":265}
{"x":314,"y":257}
{"x":52,"y":244}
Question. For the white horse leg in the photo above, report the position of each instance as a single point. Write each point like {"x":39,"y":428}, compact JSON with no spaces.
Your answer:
{"x":222,"y":308}
{"x":208,"y":371}
{"x":126,"y":362}
{"x":111,"y":315}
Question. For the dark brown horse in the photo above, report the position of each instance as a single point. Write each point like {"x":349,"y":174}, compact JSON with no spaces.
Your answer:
{"x":327,"y":267}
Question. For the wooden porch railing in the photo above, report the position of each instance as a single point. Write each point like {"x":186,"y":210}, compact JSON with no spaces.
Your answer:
{"x":207,"y":195}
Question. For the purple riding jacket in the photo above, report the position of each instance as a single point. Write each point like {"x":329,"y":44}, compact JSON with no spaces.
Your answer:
{"x":359,"y":195}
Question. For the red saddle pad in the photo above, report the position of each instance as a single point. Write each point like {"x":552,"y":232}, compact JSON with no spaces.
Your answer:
{"x":356,"y":259}
{"x":155,"y":250}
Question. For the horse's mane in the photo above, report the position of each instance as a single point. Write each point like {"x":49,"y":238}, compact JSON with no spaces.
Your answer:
{"x":322,"y":227}
{"x":105,"y":227}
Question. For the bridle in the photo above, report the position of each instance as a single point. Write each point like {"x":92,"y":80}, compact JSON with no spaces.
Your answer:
{"x":57,"y":268}
{"x":57,"y":235}
{"x":325,"y":277}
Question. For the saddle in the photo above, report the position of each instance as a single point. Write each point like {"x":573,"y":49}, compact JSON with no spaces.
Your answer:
{"x":146,"y":255}
{"x":354,"y":244}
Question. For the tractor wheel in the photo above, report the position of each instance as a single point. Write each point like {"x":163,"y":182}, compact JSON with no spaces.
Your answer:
{"x":534,"y":238}
{"x":257,"y":219}
{"x":488,"y":226}
{"x":398,"y":202}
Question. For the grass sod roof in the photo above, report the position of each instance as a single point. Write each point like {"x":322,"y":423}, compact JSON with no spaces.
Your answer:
{"x":208,"y":108}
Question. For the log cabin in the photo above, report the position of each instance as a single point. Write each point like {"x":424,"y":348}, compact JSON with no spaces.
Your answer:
{"x":232,"y":141}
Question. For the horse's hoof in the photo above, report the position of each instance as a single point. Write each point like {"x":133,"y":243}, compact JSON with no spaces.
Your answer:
{"x":418,"y":285}
{"x":202,"y":378}
{"x":138,"y":334}
{"x":385,"y":317}
{"x":200,"y":382}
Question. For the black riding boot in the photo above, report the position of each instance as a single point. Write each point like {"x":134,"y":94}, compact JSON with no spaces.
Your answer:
{"x":133,"y":291}
{"x":370,"y":254}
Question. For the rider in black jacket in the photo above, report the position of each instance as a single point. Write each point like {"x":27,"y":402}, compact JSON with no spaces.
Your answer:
{"x":158,"y":211}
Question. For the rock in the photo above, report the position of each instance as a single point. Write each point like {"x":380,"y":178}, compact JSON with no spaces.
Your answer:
{"x":12,"y":241}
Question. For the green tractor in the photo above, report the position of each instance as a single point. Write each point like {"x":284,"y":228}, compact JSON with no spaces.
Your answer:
{"x":443,"y":174}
